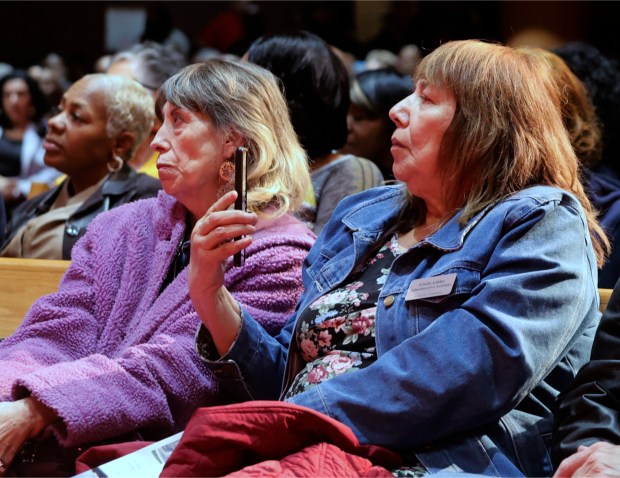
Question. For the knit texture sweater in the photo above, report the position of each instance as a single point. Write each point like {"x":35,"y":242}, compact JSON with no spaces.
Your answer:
{"x":110,"y":352}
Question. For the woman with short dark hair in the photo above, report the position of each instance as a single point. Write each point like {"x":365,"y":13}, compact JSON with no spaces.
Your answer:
{"x":373,"y":93}
{"x":316,"y":85}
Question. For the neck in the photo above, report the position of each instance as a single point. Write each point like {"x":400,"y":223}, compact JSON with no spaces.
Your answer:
{"x":196,"y":211}
{"x":433,"y":221}
{"x":316,"y":163}
{"x":84,"y":182}
{"x":15,"y":133}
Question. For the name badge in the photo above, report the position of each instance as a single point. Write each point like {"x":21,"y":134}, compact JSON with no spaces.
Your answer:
{"x":431,"y":287}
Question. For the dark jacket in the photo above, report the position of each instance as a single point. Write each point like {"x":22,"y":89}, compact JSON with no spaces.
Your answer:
{"x":119,"y":188}
{"x":2,"y":219}
{"x":589,"y":409}
{"x":603,"y":189}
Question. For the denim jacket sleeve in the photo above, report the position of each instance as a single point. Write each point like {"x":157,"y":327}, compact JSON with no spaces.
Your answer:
{"x":473,"y":361}
{"x":253,"y":367}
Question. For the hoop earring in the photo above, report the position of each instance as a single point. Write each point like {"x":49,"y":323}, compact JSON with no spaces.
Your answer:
{"x":116,"y":164}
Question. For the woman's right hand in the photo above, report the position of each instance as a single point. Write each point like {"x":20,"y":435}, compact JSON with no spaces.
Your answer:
{"x":212,"y":243}
{"x":19,"y":421}
{"x":601,"y":459}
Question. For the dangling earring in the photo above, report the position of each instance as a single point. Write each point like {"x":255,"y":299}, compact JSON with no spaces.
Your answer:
{"x":227,"y":170}
{"x":31,"y":111}
{"x":116,"y":164}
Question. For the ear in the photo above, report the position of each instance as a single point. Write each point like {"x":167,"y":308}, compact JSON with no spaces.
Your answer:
{"x":232,"y":140}
{"x":123,"y":143}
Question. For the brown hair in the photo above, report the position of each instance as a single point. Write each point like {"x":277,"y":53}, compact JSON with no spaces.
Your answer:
{"x":578,"y":112}
{"x":507,"y":133}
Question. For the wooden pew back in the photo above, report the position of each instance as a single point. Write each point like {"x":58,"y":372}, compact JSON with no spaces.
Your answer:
{"x":604,"y":294}
{"x":22,"y":281}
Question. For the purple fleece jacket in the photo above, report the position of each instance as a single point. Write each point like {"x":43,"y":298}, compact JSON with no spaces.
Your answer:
{"x":110,"y":353}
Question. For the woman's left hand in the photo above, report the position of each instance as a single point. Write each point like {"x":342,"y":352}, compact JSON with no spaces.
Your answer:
{"x":19,"y":421}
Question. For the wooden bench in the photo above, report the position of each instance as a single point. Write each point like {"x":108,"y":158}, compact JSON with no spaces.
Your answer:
{"x":22,"y":281}
{"x":604,"y":294}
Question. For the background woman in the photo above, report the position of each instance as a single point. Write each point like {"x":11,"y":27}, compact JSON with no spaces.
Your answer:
{"x":113,"y":352}
{"x":441,"y":316}
{"x":150,"y":64}
{"x":373,"y":93}
{"x":21,"y":132}
{"x":102,"y":121}
{"x":316,"y":86}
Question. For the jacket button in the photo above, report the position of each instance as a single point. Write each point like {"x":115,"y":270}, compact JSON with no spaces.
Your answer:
{"x":72,"y":230}
{"x":388,"y":301}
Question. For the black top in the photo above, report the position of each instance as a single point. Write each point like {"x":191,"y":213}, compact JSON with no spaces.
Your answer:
{"x":589,"y":409}
{"x":119,"y":188}
{"x":10,"y":157}
{"x":2,"y":219}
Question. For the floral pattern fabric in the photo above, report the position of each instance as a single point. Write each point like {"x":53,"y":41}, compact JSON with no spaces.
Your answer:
{"x":336,"y":333}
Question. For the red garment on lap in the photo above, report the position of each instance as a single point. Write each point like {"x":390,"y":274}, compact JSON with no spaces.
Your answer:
{"x":270,"y":438}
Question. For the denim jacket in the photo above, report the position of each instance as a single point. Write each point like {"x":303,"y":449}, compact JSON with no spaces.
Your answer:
{"x":465,"y":379}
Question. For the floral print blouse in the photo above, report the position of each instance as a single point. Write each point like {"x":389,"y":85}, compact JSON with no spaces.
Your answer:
{"x":336,"y":333}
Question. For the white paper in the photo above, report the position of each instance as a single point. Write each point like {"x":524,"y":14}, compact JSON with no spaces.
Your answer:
{"x":148,"y":462}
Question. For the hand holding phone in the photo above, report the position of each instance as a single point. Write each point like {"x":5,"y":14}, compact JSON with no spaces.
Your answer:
{"x":241,"y":178}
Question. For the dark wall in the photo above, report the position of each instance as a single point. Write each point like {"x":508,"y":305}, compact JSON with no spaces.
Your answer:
{"x":29,"y":29}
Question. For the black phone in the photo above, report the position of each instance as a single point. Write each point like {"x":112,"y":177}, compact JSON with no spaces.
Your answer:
{"x":241,"y":184}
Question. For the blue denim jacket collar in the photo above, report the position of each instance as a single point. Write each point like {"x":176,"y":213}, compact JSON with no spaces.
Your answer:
{"x":449,"y":237}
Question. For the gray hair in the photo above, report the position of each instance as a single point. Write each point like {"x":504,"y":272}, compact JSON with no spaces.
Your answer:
{"x":129,"y":107}
{"x":154,"y":62}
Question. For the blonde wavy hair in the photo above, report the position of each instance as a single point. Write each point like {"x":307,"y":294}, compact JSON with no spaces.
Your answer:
{"x":507,"y":133}
{"x":129,"y":107}
{"x":245,"y":98}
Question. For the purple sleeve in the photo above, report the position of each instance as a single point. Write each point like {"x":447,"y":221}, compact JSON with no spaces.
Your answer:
{"x":107,"y":352}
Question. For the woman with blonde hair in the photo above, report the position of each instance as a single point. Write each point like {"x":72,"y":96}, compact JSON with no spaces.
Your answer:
{"x":440,"y":316}
{"x":112,"y":353}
